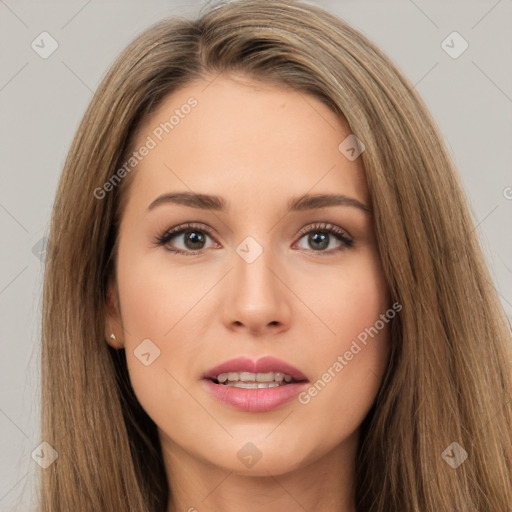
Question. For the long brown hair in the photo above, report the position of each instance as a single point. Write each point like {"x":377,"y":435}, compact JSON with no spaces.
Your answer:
{"x":449,"y":376}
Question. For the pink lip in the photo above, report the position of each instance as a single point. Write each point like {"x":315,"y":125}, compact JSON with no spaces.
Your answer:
{"x":255,"y":400}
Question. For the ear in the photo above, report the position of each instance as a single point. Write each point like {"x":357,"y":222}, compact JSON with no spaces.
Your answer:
{"x":113,"y":324}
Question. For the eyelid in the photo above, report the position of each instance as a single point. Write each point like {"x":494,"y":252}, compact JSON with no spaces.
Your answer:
{"x":325,"y":226}
{"x":346,"y":240}
{"x":162,"y":240}
{"x":189,"y":225}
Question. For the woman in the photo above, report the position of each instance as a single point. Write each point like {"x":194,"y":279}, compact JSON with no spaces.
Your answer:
{"x":264,"y":288}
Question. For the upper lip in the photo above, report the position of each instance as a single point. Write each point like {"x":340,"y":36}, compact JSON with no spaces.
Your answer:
{"x":262,"y":365}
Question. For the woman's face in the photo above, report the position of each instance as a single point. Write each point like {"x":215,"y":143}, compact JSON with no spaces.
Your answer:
{"x":261,"y":271}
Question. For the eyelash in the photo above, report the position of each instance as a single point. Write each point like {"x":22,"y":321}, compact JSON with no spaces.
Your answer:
{"x":326,"y":228}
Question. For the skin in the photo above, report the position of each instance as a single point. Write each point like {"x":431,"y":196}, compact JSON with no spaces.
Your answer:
{"x":257,"y":146}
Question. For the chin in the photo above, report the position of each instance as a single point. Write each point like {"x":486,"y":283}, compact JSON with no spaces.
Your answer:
{"x":260,"y":458}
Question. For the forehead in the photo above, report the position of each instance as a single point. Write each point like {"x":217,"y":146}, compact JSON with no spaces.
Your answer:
{"x":238,"y":137}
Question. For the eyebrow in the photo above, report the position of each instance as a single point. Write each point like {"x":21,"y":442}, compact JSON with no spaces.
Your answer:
{"x":216,"y":203}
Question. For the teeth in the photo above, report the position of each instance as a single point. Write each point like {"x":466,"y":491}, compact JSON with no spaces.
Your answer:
{"x":253,"y":380}
{"x":278,"y":377}
{"x":253,"y":385}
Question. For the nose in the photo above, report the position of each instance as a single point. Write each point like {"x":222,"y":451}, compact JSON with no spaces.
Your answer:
{"x":257,"y":299}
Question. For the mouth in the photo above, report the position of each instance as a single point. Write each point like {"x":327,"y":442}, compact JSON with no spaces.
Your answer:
{"x":254,"y":386}
{"x":249,"y":380}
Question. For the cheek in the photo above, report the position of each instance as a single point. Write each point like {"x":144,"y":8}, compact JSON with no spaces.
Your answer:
{"x":346,"y":299}
{"x":348,"y":369}
{"x":155,"y":295}
{"x":349,"y":360}
{"x":159,"y":311}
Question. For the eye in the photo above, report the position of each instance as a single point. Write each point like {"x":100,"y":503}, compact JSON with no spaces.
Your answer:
{"x":194,"y":237}
{"x":321,"y":236}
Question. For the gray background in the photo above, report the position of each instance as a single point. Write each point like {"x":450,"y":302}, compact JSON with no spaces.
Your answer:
{"x":43,"y":100}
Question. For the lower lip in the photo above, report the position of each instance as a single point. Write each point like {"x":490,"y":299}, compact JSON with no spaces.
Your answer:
{"x":255,"y":400}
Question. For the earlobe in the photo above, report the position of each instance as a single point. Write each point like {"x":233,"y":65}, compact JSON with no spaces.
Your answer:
{"x":113,"y":325}
{"x":112,"y":341}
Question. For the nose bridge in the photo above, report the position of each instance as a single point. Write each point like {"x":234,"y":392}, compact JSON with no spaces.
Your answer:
{"x":257,"y":298}
{"x":253,"y":274}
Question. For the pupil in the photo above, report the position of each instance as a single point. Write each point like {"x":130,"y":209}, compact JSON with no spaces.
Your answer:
{"x":319,"y":238}
{"x":193,"y":237}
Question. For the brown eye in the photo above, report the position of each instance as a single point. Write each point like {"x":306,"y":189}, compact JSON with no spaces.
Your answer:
{"x":193,"y":239}
{"x":190,"y":239}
